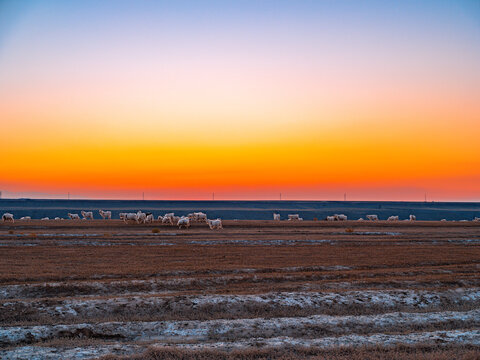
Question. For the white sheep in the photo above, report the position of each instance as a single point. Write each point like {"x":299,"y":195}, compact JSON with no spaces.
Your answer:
{"x":393,"y":218}
{"x":476,"y":219}
{"x":183,"y":221}
{"x":87,"y":215}
{"x":142,"y":217}
{"x":25,"y":218}
{"x":215,"y":224}
{"x":412,"y":218}
{"x":74,"y":216}
{"x":372,"y":217}
{"x":149,"y":218}
{"x":293,"y":217}
{"x":167,"y":220}
{"x":7,"y":217}
{"x":341,"y":217}
{"x":105,"y":214}
{"x":45,"y":218}
{"x":330,"y":218}
{"x":361,"y":219}
{"x":200,"y":217}
{"x":276,"y":217}
{"x":132,"y":217}
{"x":57,"y":218}
{"x":443,"y":220}
{"x":122,"y":215}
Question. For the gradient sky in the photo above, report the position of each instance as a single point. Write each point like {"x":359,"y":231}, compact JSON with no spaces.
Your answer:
{"x":379,"y":99}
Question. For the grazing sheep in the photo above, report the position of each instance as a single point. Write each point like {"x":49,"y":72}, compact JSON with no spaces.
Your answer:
{"x":74,"y":216}
{"x":443,"y":220}
{"x":276,"y":217}
{"x":330,"y":218}
{"x":393,"y":218}
{"x":45,"y":218}
{"x":372,"y":217}
{"x":57,"y":218}
{"x":122,"y":215}
{"x":476,"y":219}
{"x":160,"y":218}
{"x":341,"y":217}
{"x":183,"y":221}
{"x":132,"y":217}
{"x":149,"y":218}
{"x":167,"y":220}
{"x":25,"y":218}
{"x":412,"y":218}
{"x":142,"y":217}
{"x":361,"y":219}
{"x":105,"y":214}
{"x":215,"y":224}
{"x":87,"y":215}
{"x":175,"y":219}
{"x":200,"y":217}
{"x":293,"y":217}
{"x":7,"y":217}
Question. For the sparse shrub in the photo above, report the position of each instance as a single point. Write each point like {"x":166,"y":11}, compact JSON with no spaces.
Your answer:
{"x":349,"y":230}
{"x":10,"y":232}
{"x":315,"y":219}
{"x":155,"y":231}
{"x":33,"y":235}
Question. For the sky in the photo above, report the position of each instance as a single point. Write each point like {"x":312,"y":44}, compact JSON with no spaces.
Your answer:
{"x":248,"y":99}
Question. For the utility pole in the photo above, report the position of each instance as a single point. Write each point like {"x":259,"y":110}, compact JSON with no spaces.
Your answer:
{"x":213,"y":196}
{"x":425,"y":197}
{"x":345,"y":197}
{"x":143,"y":196}
{"x":68,"y":196}
{"x":280,"y":196}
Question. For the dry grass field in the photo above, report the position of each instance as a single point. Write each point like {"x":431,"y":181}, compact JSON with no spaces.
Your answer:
{"x":254,"y":290}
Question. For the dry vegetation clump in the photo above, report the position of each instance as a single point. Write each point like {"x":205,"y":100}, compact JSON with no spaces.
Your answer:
{"x":155,"y":230}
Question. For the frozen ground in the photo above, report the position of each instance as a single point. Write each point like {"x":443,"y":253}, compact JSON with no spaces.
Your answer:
{"x":325,"y":286}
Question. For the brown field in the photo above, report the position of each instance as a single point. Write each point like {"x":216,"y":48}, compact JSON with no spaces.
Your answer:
{"x":254,"y":290}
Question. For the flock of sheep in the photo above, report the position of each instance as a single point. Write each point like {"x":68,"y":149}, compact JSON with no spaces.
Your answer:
{"x":139,"y":217}
{"x":184,"y":221}
{"x":343,"y":217}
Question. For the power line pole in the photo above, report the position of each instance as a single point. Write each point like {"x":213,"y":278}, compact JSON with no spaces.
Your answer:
{"x":143,"y":196}
{"x":345,"y":197}
{"x":280,"y":196}
{"x":213,"y":196}
{"x":68,"y":196}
